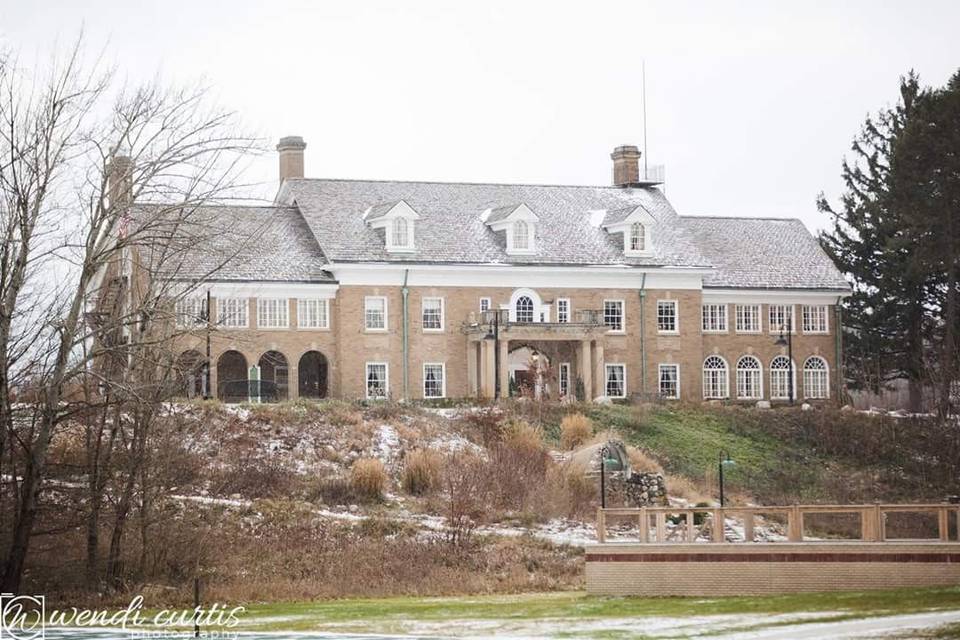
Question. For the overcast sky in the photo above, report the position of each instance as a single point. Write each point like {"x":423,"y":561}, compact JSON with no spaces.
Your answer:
{"x":750,"y":106}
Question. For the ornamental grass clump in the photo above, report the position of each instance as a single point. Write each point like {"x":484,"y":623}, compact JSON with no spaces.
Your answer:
{"x":422,"y":472}
{"x":368,"y":478}
{"x":575,"y":429}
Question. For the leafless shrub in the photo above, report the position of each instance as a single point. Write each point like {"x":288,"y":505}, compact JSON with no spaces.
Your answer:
{"x":465,"y":482}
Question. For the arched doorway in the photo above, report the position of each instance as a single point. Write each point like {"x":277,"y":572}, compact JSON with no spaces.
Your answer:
{"x":529,"y":372}
{"x":312,"y":375}
{"x":274,"y":377}
{"x":232,"y":377}
{"x":189,"y":373}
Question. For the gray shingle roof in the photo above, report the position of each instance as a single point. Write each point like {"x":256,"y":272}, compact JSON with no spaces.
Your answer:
{"x":450,"y":229}
{"x":763,"y":253}
{"x":241,"y":243}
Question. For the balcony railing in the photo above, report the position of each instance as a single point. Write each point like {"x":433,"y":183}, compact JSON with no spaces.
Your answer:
{"x":579,"y":317}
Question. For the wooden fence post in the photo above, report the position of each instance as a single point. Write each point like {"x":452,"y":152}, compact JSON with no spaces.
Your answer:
{"x":661,"y":518}
{"x":644,"y":524}
{"x":748,"y":526}
{"x":943,"y":522}
{"x":601,"y":526}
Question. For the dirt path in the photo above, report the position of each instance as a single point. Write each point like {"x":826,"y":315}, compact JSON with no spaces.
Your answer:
{"x":864,"y":628}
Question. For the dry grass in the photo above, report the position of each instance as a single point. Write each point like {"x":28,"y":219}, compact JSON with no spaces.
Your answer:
{"x":422,"y":472}
{"x":368,"y":478}
{"x":683,"y":487}
{"x":575,"y":429}
{"x":641,"y":462}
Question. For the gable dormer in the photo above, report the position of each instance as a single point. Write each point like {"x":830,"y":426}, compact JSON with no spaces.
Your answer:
{"x":519,"y":224}
{"x":398,"y":220}
{"x":636,"y":225}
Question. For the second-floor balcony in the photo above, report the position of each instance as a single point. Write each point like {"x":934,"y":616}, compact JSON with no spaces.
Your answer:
{"x":504,"y":321}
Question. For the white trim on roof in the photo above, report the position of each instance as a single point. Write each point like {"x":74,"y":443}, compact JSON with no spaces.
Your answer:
{"x":773,"y":296}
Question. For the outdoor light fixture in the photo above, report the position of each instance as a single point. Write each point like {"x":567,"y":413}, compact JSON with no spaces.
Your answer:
{"x":604,"y":460}
{"x":787,"y":341}
{"x":724,"y":460}
{"x":493,"y":333}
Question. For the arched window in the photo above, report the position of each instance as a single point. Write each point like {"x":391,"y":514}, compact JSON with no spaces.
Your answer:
{"x":715,"y":378}
{"x":401,"y":232}
{"x":638,"y":238}
{"x":781,"y":379}
{"x":749,"y":378}
{"x":521,"y":235}
{"x":816,"y":378}
{"x":524,"y":309}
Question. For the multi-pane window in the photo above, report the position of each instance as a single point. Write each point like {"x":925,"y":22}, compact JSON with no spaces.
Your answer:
{"x":667,"y":316}
{"x":781,"y":379}
{"x":563,"y":309}
{"x":433,"y":314}
{"x":781,"y":318}
{"x":191,"y":311}
{"x":273,"y":313}
{"x":564,"y":379}
{"x":715,"y":378}
{"x":375,"y":313}
{"x":434,"y":385}
{"x":748,"y":318}
{"x":378,"y":384}
{"x":313,"y":313}
{"x":749,"y":378}
{"x":815,"y":318}
{"x":401,"y":232}
{"x":521,"y":235}
{"x":523,"y":309}
{"x":616,"y":382}
{"x":669,"y":385}
{"x":638,"y":239}
{"x":484,"y":304}
{"x":816,"y":378}
{"x":232,"y":312}
{"x":613,"y":315}
{"x":714,"y":317}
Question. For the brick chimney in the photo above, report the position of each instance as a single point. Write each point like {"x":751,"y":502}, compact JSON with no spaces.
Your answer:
{"x":291,"y":149}
{"x":119,"y":178}
{"x":626,"y":165}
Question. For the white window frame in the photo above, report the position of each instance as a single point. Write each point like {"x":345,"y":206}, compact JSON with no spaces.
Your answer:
{"x":563,"y":310}
{"x":366,"y":309}
{"x":775,"y":327}
{"x":443,"y":379}
{"x":786,"y":381}
{"x":283,"y":313}
{"x":629,"y":237}
{"x":706,"y":314}
{"x":528,"y":235}
{"x":826,"y":378}
{"x":806,"y":311}
{"x":239,"y":318}
{"x":485,"y":304}
{"x":408,"y":231}
{"x":324,"y":316}
{"x":623,"y":315}
{"x":563,"y":379}
{"x":738,"y":315}
{"x":386,"y":380}
{"x":759,"y":373}
{"x":676,"y":318}
{"x":192,"y":307}
{"x":607,"y":368}
{"x":423,"y":310}
{"x":660,"y":368}
{"x":724,"y":392}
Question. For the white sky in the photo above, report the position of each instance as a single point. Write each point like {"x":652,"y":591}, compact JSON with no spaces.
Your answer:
{"x":751,"y":106}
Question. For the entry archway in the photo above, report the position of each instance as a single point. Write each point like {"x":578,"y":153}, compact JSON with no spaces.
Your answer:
{"x":529,"y":370}
{"x":274,"y":377}
{"x":232,"y":377}
{"x":189,"y":371}
{"x":312,"y":375}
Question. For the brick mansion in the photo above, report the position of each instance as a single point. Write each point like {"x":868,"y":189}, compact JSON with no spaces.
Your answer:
{"x":417,"y":290}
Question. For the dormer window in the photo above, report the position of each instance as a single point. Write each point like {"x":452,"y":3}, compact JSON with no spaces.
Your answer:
{"x":635,"y":224}
{"x":397,"y":219}
{"x":638,"y":237}
{"x":519,"y":225}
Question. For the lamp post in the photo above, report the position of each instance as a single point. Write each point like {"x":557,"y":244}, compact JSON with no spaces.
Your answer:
{"x":788,"y":343}
{"x":724,"y":460}
{"x":495,"y":336}
{"x":206,"y":366}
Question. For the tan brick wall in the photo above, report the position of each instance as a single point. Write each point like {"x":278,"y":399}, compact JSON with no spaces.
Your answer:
{"x":688,"y":577}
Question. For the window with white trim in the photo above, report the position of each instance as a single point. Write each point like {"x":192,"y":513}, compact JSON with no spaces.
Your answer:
{"x":232,"y":312}
{"x":378,"y":380}
{"x":273,"y":313}
{"x":667,"y":316}
{"x":432,"y":314}
{"x":434,"y":380}
{"x":484,"y":304}
{"x":715,"y":378}
{"x":816,"y":378}
{"x":375,"y":313}
{"x":191,"y":311}
{"x":715,"y":317}
{"x":523,"y":309}
{"x":521,"y":235}
{"x":313,"y":313}
{"x":815,"y":318}
{"x":669,"y":381}
{"x":781,"y":378}
{"x":613,"y":315}
{"x":748,"y":318}
{"x":638,"y":237}
{"x":749,"y":378}
{"x":564,"y":379}
{"x":781,"y":318}
{"x":401,"y":233}
{"x":616,"y":381}
{"x":563,"y":310}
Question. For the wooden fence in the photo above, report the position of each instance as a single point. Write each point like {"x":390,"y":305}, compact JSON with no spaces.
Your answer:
{"x":872,"y":520}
